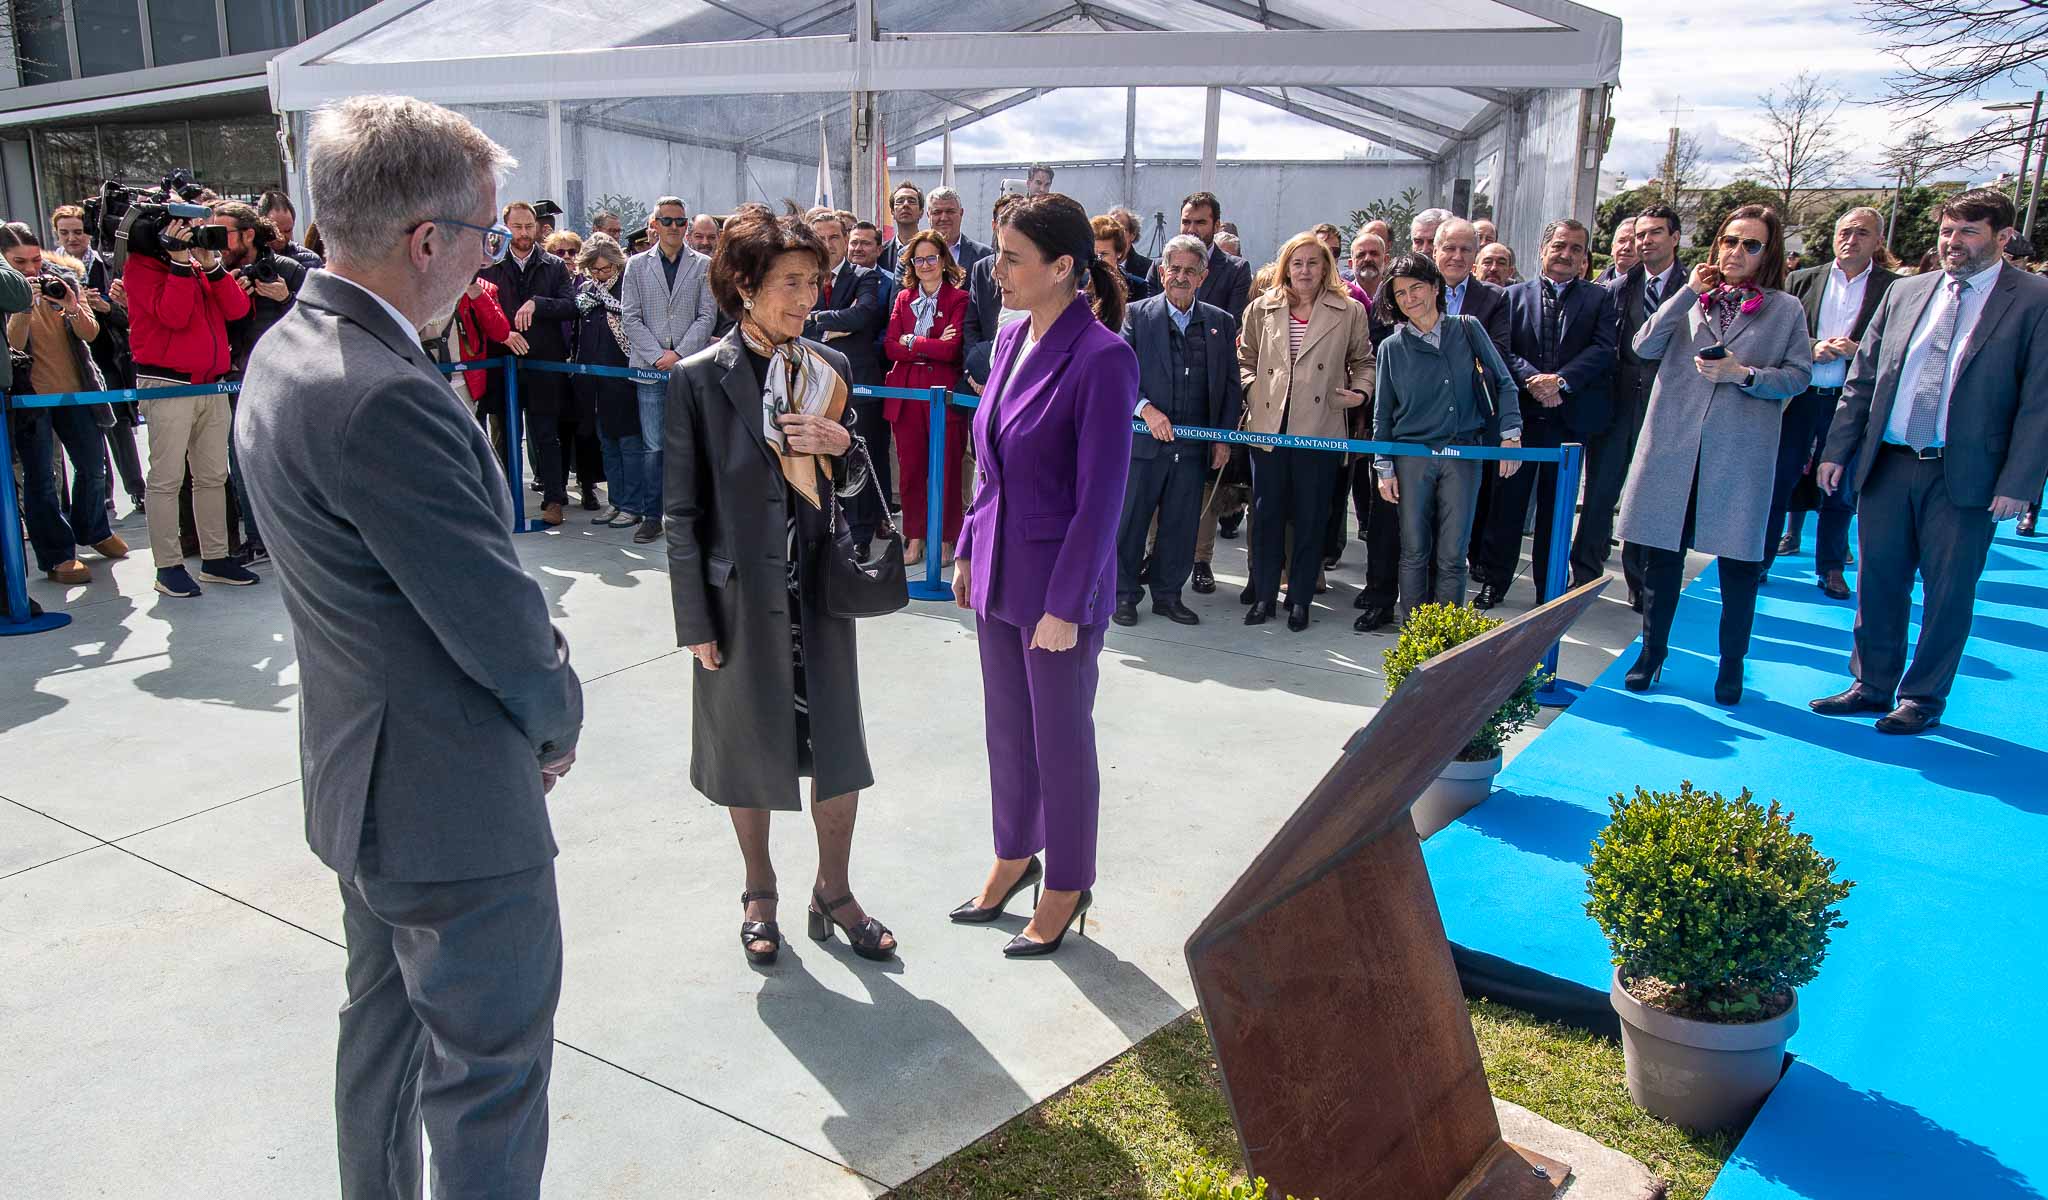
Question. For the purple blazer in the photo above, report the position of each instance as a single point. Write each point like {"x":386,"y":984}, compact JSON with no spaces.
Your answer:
{"x":1053,"y":447}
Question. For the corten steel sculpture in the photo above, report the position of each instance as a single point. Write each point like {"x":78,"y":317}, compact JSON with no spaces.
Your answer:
{"x":1327,"y":983}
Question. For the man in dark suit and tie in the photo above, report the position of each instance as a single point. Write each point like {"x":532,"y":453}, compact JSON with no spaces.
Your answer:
{"x":984,"y":311}
{"x":848,"y":317}
{"x":1187,"y":375}
{"x":1228,"y":285}
{"x":1561,"y":351}
{"x":1637,"y":294}
{"x":1840,"y":298}
{"x":1132,"y":262}
{"x":943,"y":207}
{"x":906,"y":207}
{"x":1943,"y":433}
{"x":439,"y":707}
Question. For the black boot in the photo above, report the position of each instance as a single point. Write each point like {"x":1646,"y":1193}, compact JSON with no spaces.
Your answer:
{"x":1648,"y":666}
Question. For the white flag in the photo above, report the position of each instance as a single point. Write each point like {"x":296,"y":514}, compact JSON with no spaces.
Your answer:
{"x":823,"y":199}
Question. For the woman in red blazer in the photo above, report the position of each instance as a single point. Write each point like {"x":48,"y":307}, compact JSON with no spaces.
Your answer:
{"x":482,"y":321}
{"x":926,"y":342}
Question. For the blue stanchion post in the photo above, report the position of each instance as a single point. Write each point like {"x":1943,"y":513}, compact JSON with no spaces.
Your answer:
{"x":514,"y":450}
{"x":17,"y":618}
{"x":931,"y":587}
{"x":1559,"y":693}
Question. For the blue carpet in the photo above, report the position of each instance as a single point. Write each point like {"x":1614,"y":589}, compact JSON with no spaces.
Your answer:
{"x":1920,"y":1053}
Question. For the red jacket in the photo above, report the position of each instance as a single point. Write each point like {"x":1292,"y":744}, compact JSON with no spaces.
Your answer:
{"x":178,"y":318}
{"x":482,"y":321}
{"x":930,"y":361}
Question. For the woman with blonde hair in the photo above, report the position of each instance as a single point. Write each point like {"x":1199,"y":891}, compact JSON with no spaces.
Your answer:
{"x":1304,"y":354}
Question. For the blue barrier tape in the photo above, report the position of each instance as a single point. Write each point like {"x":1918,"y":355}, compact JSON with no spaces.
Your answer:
{"x":1199,"y":433}
{"x":123,"y":395}
{"x":638,"y":374}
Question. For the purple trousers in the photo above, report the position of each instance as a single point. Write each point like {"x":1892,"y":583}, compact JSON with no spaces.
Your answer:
{"x":1042,"y":775}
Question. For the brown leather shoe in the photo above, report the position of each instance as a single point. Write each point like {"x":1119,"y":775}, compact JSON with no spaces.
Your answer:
{"x":113,"y":547}
{"x":1831,"y":582}
{"x":551,"y":513}
{"x":70,"y":573}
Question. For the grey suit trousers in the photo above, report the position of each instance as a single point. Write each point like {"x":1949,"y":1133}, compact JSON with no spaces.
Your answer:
{"x":449,"y":1025}
{"x":1907,"y":525}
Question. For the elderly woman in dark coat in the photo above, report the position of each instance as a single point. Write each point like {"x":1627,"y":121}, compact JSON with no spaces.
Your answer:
{"x":756,"y":446}
{"x":601,"y":342}
{"x":1734,"y":351}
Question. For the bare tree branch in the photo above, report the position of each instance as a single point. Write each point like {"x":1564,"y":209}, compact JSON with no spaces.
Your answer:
{"x":1949,"y":50}
{"x":1798,"y":149}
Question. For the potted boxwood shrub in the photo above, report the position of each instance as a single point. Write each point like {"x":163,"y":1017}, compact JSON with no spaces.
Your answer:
{"x":1467,"y":780}
{"x":1717,"y":913}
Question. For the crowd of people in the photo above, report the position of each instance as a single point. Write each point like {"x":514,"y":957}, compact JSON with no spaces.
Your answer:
{"x":1707,"y":399}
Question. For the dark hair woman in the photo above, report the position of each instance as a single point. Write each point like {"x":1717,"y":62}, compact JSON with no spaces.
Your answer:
{"x":601,"y":342}
{"x":1714,"y":414}
{"x":777,"y":684}
{"x":1429,"y":386}
{"x":1038,"y":556}
{"x":925,"y":342}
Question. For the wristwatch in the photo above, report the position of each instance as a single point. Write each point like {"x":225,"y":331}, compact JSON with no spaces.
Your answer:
{"x":1749,"y":380}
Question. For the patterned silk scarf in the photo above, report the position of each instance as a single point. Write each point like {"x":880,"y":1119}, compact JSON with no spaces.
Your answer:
{"x":799,"y":381}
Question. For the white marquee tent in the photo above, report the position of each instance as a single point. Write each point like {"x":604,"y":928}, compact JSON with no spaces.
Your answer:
{"x":721,"y":100}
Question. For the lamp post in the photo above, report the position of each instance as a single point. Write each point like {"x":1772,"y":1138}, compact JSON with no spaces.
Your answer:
{"x":2026,"y":157}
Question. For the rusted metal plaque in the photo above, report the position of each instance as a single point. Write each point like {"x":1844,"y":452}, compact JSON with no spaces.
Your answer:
{"x":1327,"y":983}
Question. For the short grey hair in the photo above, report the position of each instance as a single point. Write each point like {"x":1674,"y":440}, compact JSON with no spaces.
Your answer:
{"x":1126,"y":217}
{"x":1430,"y":218}
{"x":665,"y":201}
{"x":601,"y":248}
{"x":1876,"y":217}
{"x":1461,"y":224}
{"x":944,"y":193}
{"x":1226,"y":235}
{"x":1185,"y":244}
{"x":377,"y":166}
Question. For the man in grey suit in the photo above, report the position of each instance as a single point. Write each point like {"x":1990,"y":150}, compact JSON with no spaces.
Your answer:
{"x":439,"y":706}
{"x":1943,"y":433}
{"x":669,"y":315}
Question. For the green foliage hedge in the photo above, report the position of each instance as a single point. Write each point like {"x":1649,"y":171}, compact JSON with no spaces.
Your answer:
{"x":1432,"y":629}
{"x":1717,"y":900}
{"x":1208,"y":1181}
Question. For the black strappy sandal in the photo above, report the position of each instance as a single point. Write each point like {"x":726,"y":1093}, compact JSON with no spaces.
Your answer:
{"x":865,"y":938}
{"x":759,"y":931}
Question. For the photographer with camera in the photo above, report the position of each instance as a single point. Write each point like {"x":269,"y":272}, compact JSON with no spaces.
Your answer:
{"x":180,"y":300}
{"x":54,"y":332}
{"x":271,"y":281}
{"x":108,"y":298}
{"x":276,"y":208}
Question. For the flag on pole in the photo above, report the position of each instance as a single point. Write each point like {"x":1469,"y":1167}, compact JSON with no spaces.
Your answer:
{"x":946,"y":171}
{"x":823,"y":196}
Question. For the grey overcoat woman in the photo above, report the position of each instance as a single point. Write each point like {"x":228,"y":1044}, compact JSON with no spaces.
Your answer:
{"x":727,"y":507}
{"x":1727,"y":432}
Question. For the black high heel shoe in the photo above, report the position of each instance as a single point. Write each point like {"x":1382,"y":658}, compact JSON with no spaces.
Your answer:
{"x":759,"y":931}
{"x":972,"y":914}
{"x":1649,"y":666}
{"x":1260,"y":612}
{"x":1728,"y":684}
{"x":1297,"y":617}
{"x":1023,"y":947}
{"x":865,"y":938}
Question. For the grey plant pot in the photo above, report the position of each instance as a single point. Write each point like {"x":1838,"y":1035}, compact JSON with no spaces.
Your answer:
{"x":1699,"y":1074}
{"x":1458,"y":789}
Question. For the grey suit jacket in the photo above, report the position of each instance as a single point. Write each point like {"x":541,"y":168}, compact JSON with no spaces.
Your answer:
{"x":657,"y":317}
{"x":432,"y":684}
{"x":1997,"y":442}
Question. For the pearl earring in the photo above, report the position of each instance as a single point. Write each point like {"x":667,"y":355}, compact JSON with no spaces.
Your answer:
{"x":748,"y":305}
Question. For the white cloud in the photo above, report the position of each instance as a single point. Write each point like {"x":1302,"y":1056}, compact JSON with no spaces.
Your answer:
{"x":1716,"y":64}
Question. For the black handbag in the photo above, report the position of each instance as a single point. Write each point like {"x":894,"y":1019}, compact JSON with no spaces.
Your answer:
{"x":849,"y":587}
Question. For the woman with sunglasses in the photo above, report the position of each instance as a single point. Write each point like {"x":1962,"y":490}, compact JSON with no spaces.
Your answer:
{"x":1733,"y":351}
{"x":925,"y":342}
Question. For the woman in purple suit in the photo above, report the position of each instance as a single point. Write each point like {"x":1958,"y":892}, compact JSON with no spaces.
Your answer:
{"x":1037,"y":556}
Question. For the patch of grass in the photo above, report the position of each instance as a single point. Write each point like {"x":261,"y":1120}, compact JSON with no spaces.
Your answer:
{"x":1120,"y":1133}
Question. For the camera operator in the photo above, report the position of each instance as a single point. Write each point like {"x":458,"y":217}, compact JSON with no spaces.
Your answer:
{"x":107,"y":296}
{"x":179,"y":307}
{"x":271,"y":281}
{"x":276,"y":208}
{"x":54,"y":331}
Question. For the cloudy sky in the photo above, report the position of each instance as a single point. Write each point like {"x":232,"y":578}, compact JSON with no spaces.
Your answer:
{"x":1715,"y":65}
